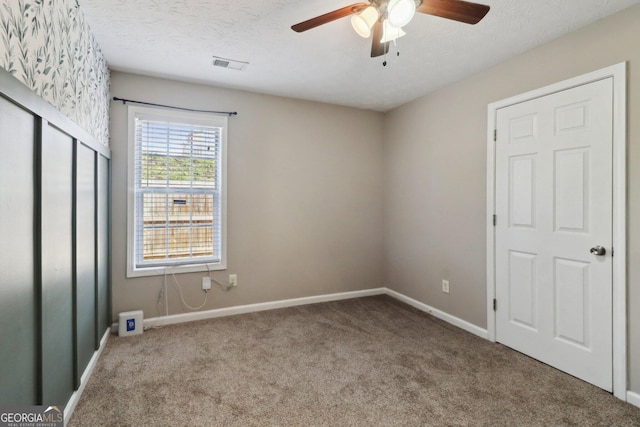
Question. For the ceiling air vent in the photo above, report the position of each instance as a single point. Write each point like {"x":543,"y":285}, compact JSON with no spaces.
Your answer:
{"x":229,"y":63}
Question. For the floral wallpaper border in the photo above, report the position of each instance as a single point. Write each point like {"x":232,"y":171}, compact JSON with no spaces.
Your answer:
{"x":48,"y":46}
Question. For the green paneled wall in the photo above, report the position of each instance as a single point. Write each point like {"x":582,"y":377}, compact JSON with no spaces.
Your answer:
{"x":54,"y":252}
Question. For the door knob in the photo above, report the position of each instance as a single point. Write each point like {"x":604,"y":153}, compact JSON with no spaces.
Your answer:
{"x":598,"y":250}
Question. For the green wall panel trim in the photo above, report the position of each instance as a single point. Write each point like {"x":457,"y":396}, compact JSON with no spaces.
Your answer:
{"x":18,"y":299}
{"x":102,"y":246}
{"x":57,"y":267}
{"x":14,"y":91}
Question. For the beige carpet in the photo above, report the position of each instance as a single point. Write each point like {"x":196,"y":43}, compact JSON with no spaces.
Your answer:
{"x":363,"y":362}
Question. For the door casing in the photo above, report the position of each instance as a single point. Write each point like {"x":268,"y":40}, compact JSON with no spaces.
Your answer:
{"x":619,"y":297}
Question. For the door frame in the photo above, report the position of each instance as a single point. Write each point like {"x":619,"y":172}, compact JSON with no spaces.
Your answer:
{"x":619,"y":280}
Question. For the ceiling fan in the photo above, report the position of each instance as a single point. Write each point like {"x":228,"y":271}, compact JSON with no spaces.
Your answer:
{"x":385,"y":18}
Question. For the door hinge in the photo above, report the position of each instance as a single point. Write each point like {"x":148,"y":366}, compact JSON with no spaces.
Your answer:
{"x":495,"y":304}
{"x":612,"y":252}
{"x":495,"y":220}
{"x":495,"y":135}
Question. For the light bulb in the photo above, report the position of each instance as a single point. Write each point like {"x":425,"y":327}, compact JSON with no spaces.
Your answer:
{"x":400,"y":12}
{"x":363,"y":21}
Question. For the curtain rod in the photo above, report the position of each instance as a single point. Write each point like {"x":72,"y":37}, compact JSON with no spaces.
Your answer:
{"x":124,"y":101}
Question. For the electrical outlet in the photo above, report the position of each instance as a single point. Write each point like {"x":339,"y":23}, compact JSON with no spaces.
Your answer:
{"x":445,"y":286}
{"x":206,"y":283}
{"x":233,"y":280}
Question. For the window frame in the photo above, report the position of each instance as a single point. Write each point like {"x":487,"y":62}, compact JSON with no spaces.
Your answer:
{"x":188,"y":117}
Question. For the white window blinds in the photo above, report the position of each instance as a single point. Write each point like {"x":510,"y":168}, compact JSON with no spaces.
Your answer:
{"x":178,"y":190}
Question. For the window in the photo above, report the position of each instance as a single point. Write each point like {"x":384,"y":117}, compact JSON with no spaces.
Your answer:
{"x":176,"y":191}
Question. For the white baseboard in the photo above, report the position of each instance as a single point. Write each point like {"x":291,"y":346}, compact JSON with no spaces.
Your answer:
{"x":252,"y":308}
{"x":455,"y":321}
{"x":75,"y":397}
{"x":633,"y":398}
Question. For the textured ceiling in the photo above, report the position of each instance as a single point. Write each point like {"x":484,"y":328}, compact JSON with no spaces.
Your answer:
{"x":178,"y":38}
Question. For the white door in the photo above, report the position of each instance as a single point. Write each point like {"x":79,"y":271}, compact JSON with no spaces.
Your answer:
{"x":553,"y":205}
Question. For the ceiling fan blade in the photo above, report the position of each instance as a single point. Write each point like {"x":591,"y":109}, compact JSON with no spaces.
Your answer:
{"x":377,"y":48}
{"x":328,"y":17}
{"x":458,"y":10}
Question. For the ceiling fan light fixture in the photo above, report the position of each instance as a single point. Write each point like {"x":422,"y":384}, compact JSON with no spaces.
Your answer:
{"x":363,"y":21}
{"x":390,"y":33}
{"x":400,"y":12}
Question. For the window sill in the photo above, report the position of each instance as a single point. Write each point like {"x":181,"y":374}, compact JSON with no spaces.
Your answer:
{"x":177,"y":269}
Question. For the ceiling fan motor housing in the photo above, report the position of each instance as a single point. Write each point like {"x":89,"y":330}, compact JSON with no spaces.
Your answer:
{"x":383,"y":5}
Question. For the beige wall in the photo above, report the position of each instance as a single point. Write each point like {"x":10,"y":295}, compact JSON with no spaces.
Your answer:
{"x":435,"y":158}
{"x":304,"y":197}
